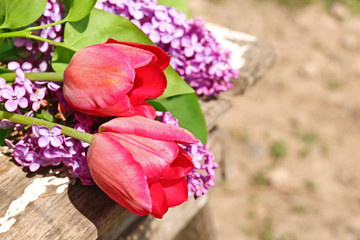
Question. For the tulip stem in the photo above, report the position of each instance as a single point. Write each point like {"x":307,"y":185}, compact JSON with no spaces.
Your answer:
{"x":35,"y":76}
{"x":68,"y":131}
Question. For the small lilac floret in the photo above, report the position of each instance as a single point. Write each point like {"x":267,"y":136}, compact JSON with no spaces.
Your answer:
{"x":6,"y":124}
{"x":34,"y":160}
{"x":20,"y":78}
{"x":14,"y":98}
{"x":3,"y":86}
{"x":37,"y":98}
{"x":48,"y":137}
{"x":56,"y":155}
{"x":20,"y":151}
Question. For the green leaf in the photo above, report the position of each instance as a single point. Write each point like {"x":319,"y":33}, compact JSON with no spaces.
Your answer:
{"x":97,"y":28}
{"x":8,"y":52}
{"x":175,"y":84}
{"x":4,"y":133}
{"x":20,"y":13}
{"x":179,"y":5}
{"x":61,"y":59}
{"x":47,"y":116}
{"x":78,"y":9}
{"x":186,"y":109}
{"x":4,"y":70}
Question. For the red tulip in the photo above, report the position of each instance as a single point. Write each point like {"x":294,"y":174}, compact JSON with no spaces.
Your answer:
{"x":115,"y":78}
{"x":137,"y":162}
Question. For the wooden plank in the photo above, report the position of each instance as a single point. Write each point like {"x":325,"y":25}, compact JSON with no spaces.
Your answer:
{"x":174,"y":221}
{"x":214,"y":110}
{"x":199,"y":228}
{"x":47,"y":207}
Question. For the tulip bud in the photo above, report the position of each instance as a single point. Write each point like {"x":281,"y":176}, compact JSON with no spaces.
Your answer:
{"x":137,"y":162}
{"x":115,"y":78}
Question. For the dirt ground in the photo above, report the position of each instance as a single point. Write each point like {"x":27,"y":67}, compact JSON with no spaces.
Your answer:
{"x":295,"y":135}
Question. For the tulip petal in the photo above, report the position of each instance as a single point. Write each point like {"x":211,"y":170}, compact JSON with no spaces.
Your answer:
{"x":143,"y":88}
{"x":122,"y":107}
{"x":145,"y":110}
{"x":116,"y":172}
{"x":176,"y":190}
{"x":162,"y":58}
{"x":181,"y":166}
{"x":99,"y":82}
{"x":137,"y":57}
{"x":158,"y":197}
{"x":155,"y":156}
{"x":148,"y":128}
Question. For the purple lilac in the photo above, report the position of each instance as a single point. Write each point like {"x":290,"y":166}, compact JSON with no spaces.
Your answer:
{"x":201,"y":178}
{"x":3,"y":86}
{"x":48,"y":137}
{"x":14,"y":98}
{"x":39,"y":63}
{"x":23,"y":92}
{"x":6,"y":124}
{"x":33,"y":152}
{"x":41,"y":146}
{"x":196,"y":55}
{"x":37,"y":98}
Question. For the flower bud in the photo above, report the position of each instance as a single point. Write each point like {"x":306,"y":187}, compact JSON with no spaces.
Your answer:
{"x":115,"y":78}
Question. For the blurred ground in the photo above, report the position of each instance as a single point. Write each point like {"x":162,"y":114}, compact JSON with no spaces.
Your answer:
{"x":295,"y":136}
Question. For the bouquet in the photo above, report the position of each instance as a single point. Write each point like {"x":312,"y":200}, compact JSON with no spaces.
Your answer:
{"x":107,"y":92}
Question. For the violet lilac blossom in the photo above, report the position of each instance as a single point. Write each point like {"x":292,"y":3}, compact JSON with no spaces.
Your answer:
{"x":196,"y":55}
{"x":54,"y":12}
{"x":3,"y":85}
{"x":52,"y":137}
{"x":15,"y":98}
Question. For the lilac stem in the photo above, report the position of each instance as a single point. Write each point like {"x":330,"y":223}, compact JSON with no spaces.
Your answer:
{"x":35,"y":76}
{"x":68,"y":131}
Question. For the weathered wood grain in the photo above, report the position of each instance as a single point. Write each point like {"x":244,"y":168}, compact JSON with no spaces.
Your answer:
{"x":174,"y":221}
{"x":80,"y":212}
{"x":214,"y":110}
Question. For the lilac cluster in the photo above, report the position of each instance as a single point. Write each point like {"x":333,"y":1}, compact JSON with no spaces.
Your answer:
{"x":201,"y":178}
{"x":195,"y":53}
{"x":39,"y":63}
{"x":22,"y":93}
{"x":41,"y":146}
{"x":48,"y":147}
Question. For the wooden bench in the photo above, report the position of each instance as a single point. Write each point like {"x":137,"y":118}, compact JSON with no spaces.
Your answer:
{"x":44,"y":206}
